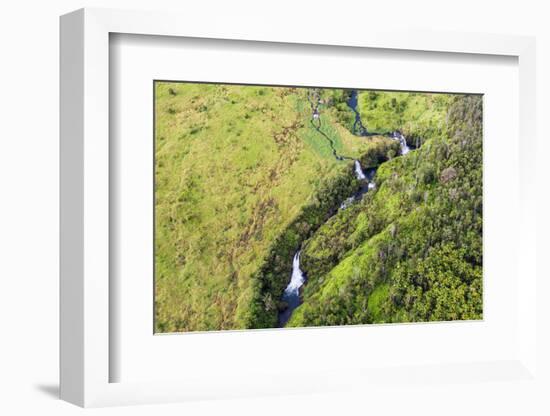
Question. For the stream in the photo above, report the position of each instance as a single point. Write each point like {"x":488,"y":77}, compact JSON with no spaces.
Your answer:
{"x":358,"y":128}
{"x":292,"y":296}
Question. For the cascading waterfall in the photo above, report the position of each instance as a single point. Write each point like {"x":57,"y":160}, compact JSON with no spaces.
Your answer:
{"x":402,"y":142}
{"x":358,"y":171}
{"x":291,"y":295}
{"x":367,"y":185}
{"x":297,"y":279}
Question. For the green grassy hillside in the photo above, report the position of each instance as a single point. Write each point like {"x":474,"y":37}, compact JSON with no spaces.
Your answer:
{"x":417,"y":115}
{"x":238,"y":170}
{"x":410,"y":251}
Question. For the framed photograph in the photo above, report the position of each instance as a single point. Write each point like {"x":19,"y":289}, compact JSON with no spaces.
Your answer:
{"x":284,"y":213}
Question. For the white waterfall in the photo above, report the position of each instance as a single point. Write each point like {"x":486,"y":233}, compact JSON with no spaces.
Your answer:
{"x":297,"y":279}
{"x":358,"y":171}
{"x":402,"y":141}
{"x":347,"y":202}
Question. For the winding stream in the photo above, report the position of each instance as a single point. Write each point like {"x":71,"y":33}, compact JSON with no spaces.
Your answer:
{"x":291,"y":296}
{"x":358,"y":128}
{"x":316,"y":123}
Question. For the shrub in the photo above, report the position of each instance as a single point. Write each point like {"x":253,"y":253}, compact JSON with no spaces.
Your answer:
{"x":427,"y":174}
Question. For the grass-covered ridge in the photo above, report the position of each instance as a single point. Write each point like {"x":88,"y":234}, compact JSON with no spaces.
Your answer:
{"x":412,"y":250}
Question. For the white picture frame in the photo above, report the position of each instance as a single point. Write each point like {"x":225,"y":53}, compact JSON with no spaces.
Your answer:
{"x":86,"y":356}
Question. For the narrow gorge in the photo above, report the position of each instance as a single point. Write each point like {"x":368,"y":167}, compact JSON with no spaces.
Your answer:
{"x":291,"y":298}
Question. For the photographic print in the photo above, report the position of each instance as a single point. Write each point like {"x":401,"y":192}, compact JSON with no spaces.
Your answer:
{"x":279,"y":207}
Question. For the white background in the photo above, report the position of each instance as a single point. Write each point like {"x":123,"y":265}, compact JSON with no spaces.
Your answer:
{"x":29,"y":209}
{"x":137,"y":60}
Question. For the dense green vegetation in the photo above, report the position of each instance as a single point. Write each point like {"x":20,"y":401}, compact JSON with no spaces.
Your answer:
{"x":412,"y":250}
{"x":243,"y":179}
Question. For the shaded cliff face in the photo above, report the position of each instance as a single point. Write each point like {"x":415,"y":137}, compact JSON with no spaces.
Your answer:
{"x":412,"y":250}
